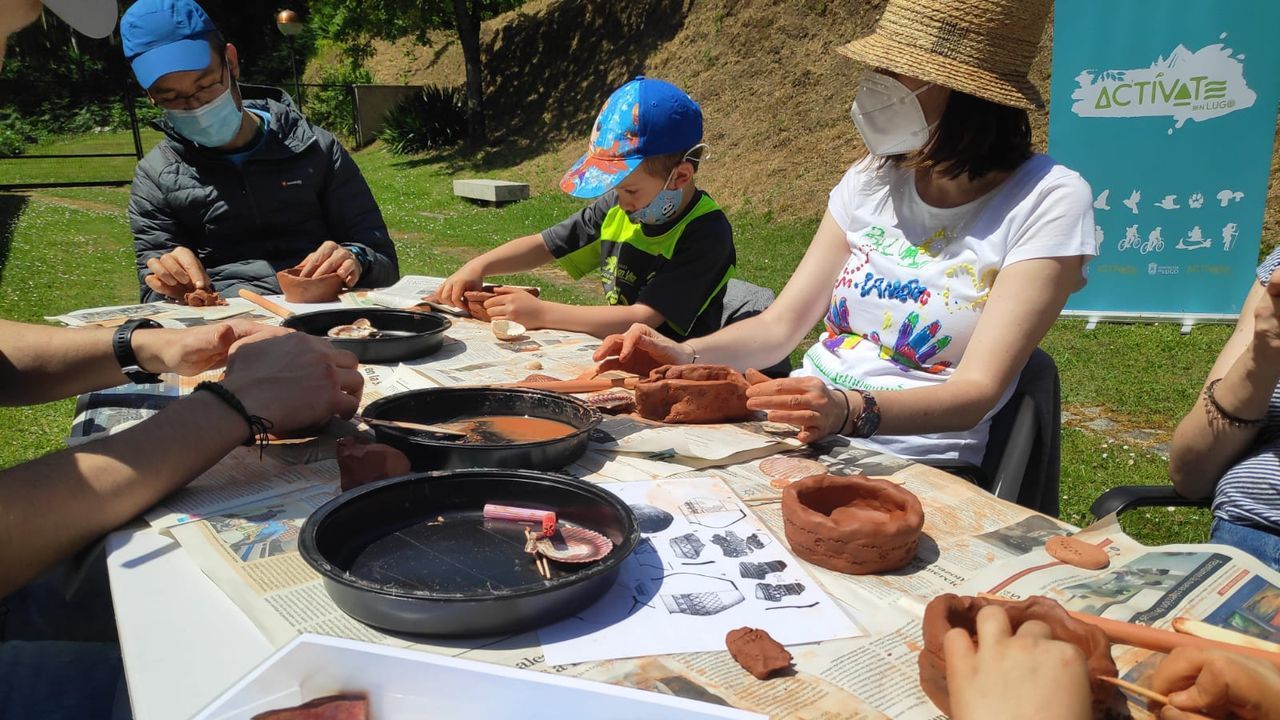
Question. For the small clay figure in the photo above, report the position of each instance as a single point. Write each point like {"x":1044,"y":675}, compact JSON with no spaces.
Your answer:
{"x":757,"y":652}
{"x":324,"y":288}
{"x":202,"y":298}
{"x":852,"y":524}
{"x":693,"y":394}
{"x":360,"y":463}
{"x":951,"y":611}
{"x":1074,"y":551}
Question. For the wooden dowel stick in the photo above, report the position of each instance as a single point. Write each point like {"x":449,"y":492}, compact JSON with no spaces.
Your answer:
{"x":265,"y":304}
{"x":1146,"y":693}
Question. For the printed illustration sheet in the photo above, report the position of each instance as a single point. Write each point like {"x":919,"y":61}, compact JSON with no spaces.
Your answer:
{"x":705,"y":566}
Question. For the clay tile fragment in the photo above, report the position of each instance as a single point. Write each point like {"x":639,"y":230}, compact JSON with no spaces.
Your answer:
{"x":951,"y":611}
{"x":324,"y":288}
{"x":852,"y":524}
{"x":757,"y":652}
{"x":360,"y":463}
{"x":693,"y":394}
{"x":1074,"y":551}
{"x":332,"y":707}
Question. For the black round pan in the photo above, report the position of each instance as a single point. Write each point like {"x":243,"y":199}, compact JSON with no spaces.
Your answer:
{"x":440,"y":405}
{"x":405,"y":335}
{"x":414,"y":554}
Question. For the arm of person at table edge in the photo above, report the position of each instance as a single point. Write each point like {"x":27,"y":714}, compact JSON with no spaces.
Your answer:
{"x":1022,"y":305}
{"x":55,"y":505}
{"x":1205,"y":445}
{"x":166,"y":266}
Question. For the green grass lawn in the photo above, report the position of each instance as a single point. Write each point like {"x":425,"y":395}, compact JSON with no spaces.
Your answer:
{"x":66,"y":249}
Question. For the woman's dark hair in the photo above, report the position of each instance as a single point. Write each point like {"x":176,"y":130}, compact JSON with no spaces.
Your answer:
{"x":974,"y":137}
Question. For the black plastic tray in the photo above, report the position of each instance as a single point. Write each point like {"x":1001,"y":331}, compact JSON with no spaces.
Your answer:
{"x":409,"y":334}
{"x":441,"y":405}
{"x":388,"y":560}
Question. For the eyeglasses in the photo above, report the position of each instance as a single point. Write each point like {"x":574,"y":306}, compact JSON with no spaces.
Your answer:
{"x":201,"y":97}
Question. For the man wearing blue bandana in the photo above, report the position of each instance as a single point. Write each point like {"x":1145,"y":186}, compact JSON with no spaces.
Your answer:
{"x":663,"y":248}
{"x":239,"y":189}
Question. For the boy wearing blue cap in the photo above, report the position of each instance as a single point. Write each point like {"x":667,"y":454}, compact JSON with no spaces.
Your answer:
{"x":239,"y":189}
{"x":663,"y":248}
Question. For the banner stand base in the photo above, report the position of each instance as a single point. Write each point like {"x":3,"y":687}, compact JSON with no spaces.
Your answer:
{"x":1186,"y":320}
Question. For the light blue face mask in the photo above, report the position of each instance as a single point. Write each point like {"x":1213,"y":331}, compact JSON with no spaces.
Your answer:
{"x":661,"y":209}
{"x":213,"y":124}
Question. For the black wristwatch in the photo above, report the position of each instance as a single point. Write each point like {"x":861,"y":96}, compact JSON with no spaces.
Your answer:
{"x":362,"y":256}
{"x":122,"y":344}
{"x":868,"y":420}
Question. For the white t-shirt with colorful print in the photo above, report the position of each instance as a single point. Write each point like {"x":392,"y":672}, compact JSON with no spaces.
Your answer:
{"x":910,"y":295}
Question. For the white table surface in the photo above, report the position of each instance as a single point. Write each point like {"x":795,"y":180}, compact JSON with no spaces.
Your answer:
{"x":183,"y":641}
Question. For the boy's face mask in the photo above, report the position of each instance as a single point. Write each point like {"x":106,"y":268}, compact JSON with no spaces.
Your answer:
{"x":661,"y":209}
{"x":888,"y":116}
{"x":213,"y":124}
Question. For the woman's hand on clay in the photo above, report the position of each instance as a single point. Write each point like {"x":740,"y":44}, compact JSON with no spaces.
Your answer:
{"x":1012,"y":676}
{"x":191,"y":351}
{"x":643,"y":345}
{"x":805,"y":402}
{"x":176,"y":273}
{"x":1218,"y":684}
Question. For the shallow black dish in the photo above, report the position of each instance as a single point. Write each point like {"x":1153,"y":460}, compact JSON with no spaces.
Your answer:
{"x":441,"y":405}
{"x":414,"y":554}
{"x":405,"y":335}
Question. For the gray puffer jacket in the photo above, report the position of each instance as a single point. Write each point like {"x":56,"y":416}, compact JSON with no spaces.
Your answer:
{"x":246,"y":222}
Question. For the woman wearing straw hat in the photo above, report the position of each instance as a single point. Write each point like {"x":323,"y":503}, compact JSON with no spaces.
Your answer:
{"x":950,"y":240}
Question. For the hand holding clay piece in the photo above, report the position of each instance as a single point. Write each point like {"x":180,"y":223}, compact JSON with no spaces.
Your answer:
{"x":360,"y":463}
{"x":854,"y":524}
{"x":202,"y":298}
{"x":298,"y":289}
{"x":757,"y":652}
{"x":475,"y":299}
{"x":952,"y":611}
{"x":693,"y":394}
{"x":1076,"y":552}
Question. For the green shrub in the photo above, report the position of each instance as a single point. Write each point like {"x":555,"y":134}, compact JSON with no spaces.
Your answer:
{"x":435,"y":117}
{"x":11,"y":142}
{"x":333,"y":107}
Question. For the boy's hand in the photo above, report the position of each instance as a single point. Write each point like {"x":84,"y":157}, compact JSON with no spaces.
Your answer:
{"x":805,"y":402}
{"x":1218,"y":684}
{"x":1008,"y":676}
{"x":466,"y":279}
{"x":517,"y":305}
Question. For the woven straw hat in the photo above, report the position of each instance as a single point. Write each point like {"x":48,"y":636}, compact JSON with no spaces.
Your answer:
{"x":981,"y":47}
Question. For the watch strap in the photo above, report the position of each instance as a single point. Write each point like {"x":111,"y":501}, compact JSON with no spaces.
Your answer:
{"x":122,"y":346}
{"x":868,"y":420}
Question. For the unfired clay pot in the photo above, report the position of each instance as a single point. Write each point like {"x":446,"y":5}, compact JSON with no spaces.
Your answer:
{"x":324,"y":288}
{"x":360,"y":463}
{"x":949,"y":611}
{"x":852,"y":524}
{"x":693,"y":394}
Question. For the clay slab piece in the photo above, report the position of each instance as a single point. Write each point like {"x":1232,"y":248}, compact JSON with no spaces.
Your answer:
{"x":362,"y":463}
{"x":475,"y":300}
{"x":202,"y":298}
{"x":757,"y":652}
{"x":1074,"y":551}
{"x":852,"y":524}
{"x":789,"y":469}
{"x":950,"y":611}
{"x":296,"y":288}
{"x":693,"y":394}
{"x":333,"y":707}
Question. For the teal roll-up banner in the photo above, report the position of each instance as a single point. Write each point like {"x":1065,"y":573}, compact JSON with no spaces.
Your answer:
{"x":1168,"y":109}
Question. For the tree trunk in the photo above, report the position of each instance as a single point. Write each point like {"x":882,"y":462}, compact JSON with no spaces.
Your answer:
{"x":468,"y":25}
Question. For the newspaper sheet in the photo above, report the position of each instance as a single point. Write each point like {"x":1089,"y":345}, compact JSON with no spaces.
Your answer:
{"x":411,"y":290}
{"x":167,"y":313}
{"x":243,"y":476}
{"x":632,"y":434}
{"x":704,"y":567}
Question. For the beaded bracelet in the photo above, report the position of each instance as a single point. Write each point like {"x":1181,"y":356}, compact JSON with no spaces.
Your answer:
{"x":1217,"y":409}
{"x":258,"y":426}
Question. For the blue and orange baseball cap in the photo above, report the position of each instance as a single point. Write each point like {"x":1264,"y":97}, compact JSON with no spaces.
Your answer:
{"x":165,"y":36}
{"x":644,"y":118}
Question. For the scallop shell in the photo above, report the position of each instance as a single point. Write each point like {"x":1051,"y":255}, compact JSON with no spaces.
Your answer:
{"x":791,"y":468}
{"x":575,"y":545}
{"x":507,"y":329}
{"x":361,"y":328}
